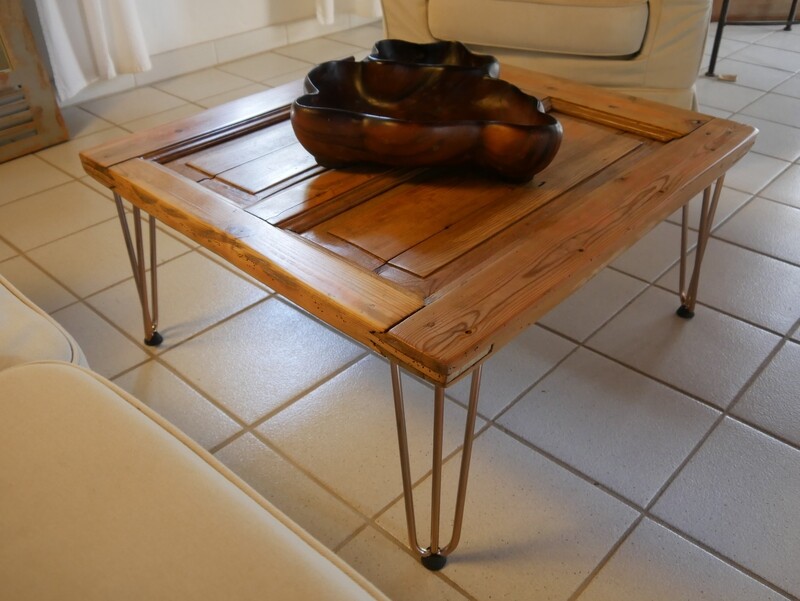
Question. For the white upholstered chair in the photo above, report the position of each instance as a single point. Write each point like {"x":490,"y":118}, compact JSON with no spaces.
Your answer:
{"x":646,"y":48}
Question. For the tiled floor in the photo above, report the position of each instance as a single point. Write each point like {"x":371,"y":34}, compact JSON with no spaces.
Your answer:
{"x":622,"y":453}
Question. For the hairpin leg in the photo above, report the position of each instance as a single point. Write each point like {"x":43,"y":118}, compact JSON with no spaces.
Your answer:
{"x":138,"y":265}
{"x":689,"y":295}
{"x":434,"y":556}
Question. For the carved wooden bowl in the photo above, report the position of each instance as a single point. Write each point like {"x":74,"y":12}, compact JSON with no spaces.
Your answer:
{"x":435,"y":54}
{"x":412,"y":115}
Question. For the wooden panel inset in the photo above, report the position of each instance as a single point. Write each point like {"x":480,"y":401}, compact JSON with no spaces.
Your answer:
{"x":418,"y":227}
{"x":393,"y":222}
{"x":586,"y":150}
{"x":223,"y":157}
{"x":271,"y":169}
{"x":326,"y":194}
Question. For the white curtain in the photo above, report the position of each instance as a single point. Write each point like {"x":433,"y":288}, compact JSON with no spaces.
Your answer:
{"x":88,"y":40}
{"x":363,"y":8}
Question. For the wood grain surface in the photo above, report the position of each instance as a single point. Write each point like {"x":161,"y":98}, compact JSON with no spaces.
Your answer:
{"x":434,"y":267}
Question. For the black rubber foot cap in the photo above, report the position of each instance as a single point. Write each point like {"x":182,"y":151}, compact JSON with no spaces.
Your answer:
{"x":683,"y":311}
{"x":434,"y":562}
{"x":154,"y":340}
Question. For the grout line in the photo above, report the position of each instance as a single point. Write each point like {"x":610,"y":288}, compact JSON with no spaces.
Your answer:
{"x":254,"y":425}
{"x":727,"y":560}
{"x":371,"y":520}
{"x":647,"y":511}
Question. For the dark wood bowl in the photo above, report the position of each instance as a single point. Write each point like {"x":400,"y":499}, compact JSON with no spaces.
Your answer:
{"x":411,"y":115}
{"x":434,"y":54}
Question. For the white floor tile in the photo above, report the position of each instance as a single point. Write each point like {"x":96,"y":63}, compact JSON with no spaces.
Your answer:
{"x":745,"y":33}
{"x":132,"y":105}
{"x":109,"y":353}
{"x":264,"y":66}
{"x":774,"y":139}
{"x":767,"y":227}
{"x":393,"y":570}
{"x":769,"y":57}
{"x":218,"y":99}
{"x":656,"y":252}
{"x":51,"y":215}
{"x":298,"y":496}
{"x":658,"y":565}
{"x":714,"y":112}
{"x":752,"y":76}
{"x":771,"y":401}
{"x":741,"y":282}
{"x":753,"y":172}
{"x":185,"y":110}
{"x":738,"y":495}
{"x":513,"y":369}
{"x":178,"y":403}
{"x":725,"y":95}
{"x":777,"y":108}
{"x":786,"y":188}
{"x":287,"y":77}
{"x":39,"y":287}
{"x":259,"y":360}
{"x":612,"y":424}
{"x":66,"y":156}
{"x":711,"y":355}
{"x":726,"y":48}
{"x":791,"y":87}
{"x":96,"y":258}
{"x":593,"y":304}
{"x":318,"y":50}
{"x":532,"y":530}
{"x":88,"y":180}
{"x":345,"y":433}
{"x":193,"y":293}
{"x":202,"y":84}
{"x":28,"y":175}
{"x":781,"y":39}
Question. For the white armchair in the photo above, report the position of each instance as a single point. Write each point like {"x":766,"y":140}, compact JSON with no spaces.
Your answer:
{"x":647,"y":48}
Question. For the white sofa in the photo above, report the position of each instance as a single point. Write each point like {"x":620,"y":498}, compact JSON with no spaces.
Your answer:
{"x":101,"y":498}
{"x":647,"y":48}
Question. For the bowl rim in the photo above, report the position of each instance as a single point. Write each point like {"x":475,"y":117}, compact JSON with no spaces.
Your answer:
{"x":312,"y":89}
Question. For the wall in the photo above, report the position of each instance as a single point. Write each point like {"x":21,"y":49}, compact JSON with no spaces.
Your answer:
{"x":188,"y":35}
{"x":172,"y":24}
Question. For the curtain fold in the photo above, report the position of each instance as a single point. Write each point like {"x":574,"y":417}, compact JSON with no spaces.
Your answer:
{"x":362,"y":8}
{"x":89,"y":40}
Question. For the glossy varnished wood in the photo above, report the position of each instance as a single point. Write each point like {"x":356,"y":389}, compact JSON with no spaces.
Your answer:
{"x":435,"y":268}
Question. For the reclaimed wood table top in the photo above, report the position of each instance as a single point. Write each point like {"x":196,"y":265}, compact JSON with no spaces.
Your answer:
{"x":433,"y":268}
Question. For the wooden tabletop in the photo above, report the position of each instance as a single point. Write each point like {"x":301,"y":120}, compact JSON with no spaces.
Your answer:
{"x":435,"y":268}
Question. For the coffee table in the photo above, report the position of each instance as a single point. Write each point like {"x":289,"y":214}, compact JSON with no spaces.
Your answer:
{"x":435,"y":269}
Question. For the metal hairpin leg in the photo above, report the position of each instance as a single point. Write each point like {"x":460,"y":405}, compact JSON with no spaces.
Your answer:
{"x":792,"y":16}
{"x":434,"y":556}
{"x":689,"y":295}
{"x":137,"y":258}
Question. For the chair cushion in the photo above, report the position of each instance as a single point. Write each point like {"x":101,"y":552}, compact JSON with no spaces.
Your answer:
{"x":29,"y":334}
{"x":103,"y":499}
{"x":603,"y":28}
